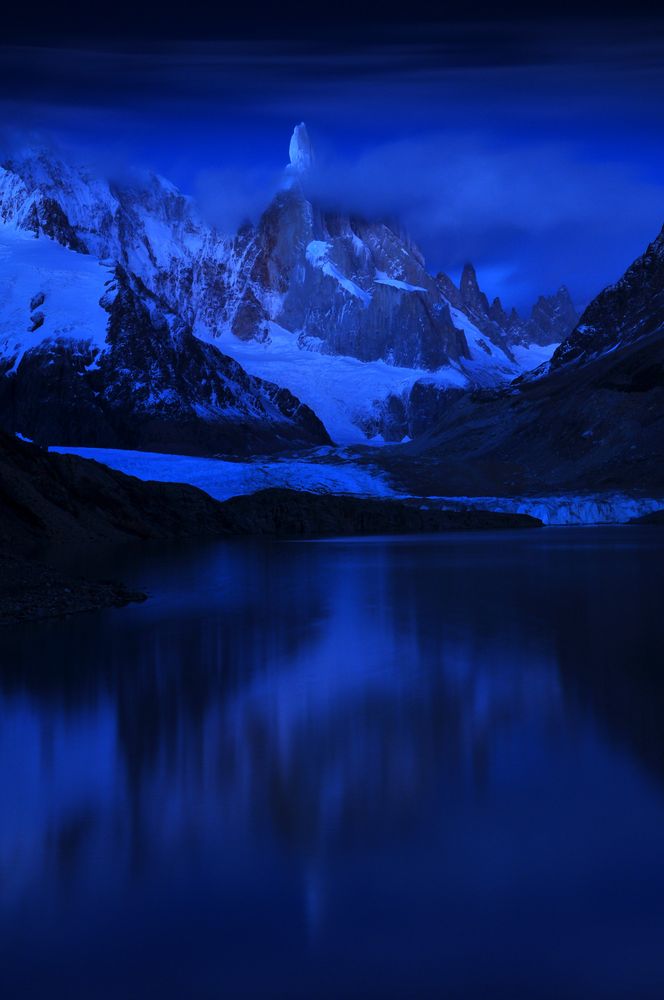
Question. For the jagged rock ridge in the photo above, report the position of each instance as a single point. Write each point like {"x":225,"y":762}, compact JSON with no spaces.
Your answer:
{"x":360,"y":288}
{"x":335,"y":286}
{"x":590,"y":419}
{"x":631,"y":309}
{"x":100,"y":354}
{"x":552,"y":318}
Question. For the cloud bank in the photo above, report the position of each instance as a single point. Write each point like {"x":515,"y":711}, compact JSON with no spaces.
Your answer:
{"x":529,"y":147}
{"x":530,"y":217}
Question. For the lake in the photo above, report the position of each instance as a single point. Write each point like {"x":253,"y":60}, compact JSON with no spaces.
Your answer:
{"x":405,"y":767}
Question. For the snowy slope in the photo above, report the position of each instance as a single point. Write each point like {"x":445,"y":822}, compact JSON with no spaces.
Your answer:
{"x":88,"y":355}
{"x":47,"y":292}
{"x":489,"y":364}
{"x":343,"y":391}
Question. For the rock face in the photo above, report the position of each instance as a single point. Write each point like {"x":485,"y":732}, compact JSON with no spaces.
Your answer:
{"x":151,"y":384}
{"x":99,"y":355}
{"x":300,"y":150}
{"x":622,"y":314}
{"x":330,"y":284}
{"x":360,"y":288}
{"x":500,"y":341}
{"x":346,"y":286}
{"x":289,"y":513}
{"x":552,"y":318}
{"x":591,"y":419}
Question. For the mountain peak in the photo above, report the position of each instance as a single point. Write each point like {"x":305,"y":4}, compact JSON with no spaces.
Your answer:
{"x":471,"y":293}
{"x":300,"y":151}
{"x":469,"y":278}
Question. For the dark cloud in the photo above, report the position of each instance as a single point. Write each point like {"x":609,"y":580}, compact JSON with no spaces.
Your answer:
{"x":533,"y":147}
{"x":106,"y":70}
{"x":345,"y":22}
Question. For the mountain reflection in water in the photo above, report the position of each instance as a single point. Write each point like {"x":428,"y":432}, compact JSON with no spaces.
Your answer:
{"x":376,"y":767}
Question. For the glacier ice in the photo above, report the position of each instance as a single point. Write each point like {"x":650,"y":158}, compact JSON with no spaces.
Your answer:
{"x":598,"y":508}
{"x":333,"y":470}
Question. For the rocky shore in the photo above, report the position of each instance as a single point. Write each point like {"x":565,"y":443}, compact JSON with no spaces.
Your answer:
{"x":50,"y":501}
{"x":654,"y":517}
{"x":31,"y":590}
{"x":286,"y":513}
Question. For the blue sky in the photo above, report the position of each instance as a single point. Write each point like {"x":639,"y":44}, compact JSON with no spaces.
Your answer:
{"x":532,"y":148}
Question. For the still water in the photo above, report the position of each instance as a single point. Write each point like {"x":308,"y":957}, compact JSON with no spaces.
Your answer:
{"x":372,"y":768}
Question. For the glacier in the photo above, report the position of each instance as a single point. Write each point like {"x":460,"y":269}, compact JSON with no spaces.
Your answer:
{"x":335,"y":470}
{"x":343,"y":391}
{"x":322,"y":470}
{"x":569,"y":509}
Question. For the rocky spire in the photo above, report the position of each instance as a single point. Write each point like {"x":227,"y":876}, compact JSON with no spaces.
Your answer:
{"x":300,"y":150}
{"x":498,"y":314}
{"x":472,"y":295}
{"x":552,"y":318}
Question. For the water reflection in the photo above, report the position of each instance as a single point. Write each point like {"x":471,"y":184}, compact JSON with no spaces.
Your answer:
{"x":319,"y":703}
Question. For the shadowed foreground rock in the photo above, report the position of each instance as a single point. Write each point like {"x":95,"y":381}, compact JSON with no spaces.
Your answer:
{"x":62,"y":500}
{"x":30,"y":590}
{"x":47,"y":498}
{"x":654,"y":517}
{"x":290,"y":513}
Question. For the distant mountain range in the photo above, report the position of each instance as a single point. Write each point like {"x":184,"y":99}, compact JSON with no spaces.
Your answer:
{"x":590,"y":418}
{"x":127,"y":321}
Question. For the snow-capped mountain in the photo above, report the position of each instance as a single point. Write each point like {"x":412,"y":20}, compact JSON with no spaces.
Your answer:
{"x":360,"y":288}
{"x":89,"y":353}
{"x":343,"y":311}
{"x":338,"y":312}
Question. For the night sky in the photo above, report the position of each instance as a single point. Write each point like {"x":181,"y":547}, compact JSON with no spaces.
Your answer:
{"x":533,"y":147}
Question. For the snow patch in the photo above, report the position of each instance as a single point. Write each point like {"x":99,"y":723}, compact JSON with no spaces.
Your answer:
{"x":533,"y":355}
{"x":382,"y":278}
{"x":316,"y":253}
{"x":69,"y":286}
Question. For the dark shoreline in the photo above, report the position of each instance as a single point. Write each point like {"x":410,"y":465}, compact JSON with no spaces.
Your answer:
{"x":32,"y":588}
{"x":52,"y":501}
{"x":654,"y":517}
{"x":34,"y":591}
